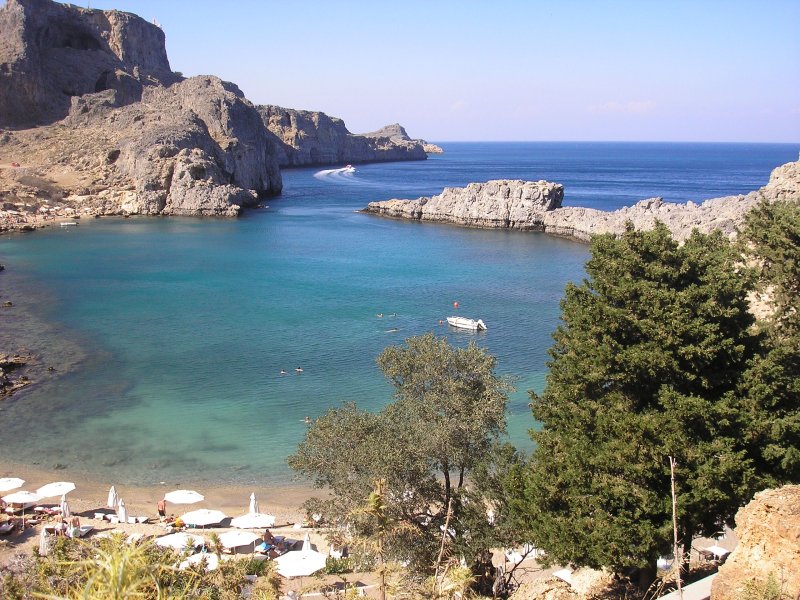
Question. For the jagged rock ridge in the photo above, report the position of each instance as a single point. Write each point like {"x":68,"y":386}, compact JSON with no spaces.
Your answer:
{"x":308,"y":138}
{"x":511,"y":204}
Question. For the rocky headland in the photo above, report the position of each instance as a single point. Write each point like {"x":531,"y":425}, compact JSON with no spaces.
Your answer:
{"x":305,"y":138}
{"x":536,"y":206}
{"x":93,"y":121}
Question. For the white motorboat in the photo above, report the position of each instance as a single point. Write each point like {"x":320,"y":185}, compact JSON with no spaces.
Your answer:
{"x":349,"y":169}
{"x":465,"y":323}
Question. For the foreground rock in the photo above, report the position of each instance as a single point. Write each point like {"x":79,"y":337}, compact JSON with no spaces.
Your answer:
{"x":536,"y":206}
{"x":13,"y":373}
{"x":304,"y":138}
{"x":768,"y":554}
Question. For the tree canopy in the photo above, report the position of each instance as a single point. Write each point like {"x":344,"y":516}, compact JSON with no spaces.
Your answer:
{"x":446,"y":418}
{"x":646,"y":364}
{"x":771,"y":240}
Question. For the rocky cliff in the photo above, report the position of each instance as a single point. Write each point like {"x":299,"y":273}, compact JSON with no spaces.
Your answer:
{"x":766,"y":562}
{"x":307,"y":138}
{"x":51,"y":52}
{"x":537,"y":206}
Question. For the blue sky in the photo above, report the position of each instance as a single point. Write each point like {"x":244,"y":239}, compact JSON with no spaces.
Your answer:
{"x":700,"y":70}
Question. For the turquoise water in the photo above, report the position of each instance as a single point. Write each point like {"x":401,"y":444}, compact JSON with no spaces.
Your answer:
{"x":181,"y":326}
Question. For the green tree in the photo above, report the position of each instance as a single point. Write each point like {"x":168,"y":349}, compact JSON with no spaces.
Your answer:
{"x":447,"y":416}
{"x":646,"y":363}
{"x":771,"y":239}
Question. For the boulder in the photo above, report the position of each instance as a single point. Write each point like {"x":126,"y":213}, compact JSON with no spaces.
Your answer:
{"x":767,"y":558}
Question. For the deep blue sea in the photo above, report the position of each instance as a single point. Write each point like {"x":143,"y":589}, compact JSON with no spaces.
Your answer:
{"x":179,"y":327}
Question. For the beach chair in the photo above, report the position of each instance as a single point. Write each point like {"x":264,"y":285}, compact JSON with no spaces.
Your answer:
{"x":6,"y":528}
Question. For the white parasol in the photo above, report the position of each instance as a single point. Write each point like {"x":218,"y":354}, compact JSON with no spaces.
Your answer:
{"x":10,"y":483}
{"x":65,"y":507}
{"x":253,"y":503}
{"x":44,"y":543}
{"x":253,"y":521}
{"x":234,"y":539}
{"x":301,"y":563}
{"x":122,"y":512}
{"x":22,"y":497}
{"x":180,"y":541}
{"x":211,"y":561}
{"x":57,"y":488}
{"x":183,"y":497}
{"x":113,"y":498}
{"x":203,"y":517}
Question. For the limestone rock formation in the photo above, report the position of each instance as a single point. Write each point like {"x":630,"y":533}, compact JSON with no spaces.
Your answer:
{"x":397,"y":134}
{"x":498,"y":204}
{"x":514,"y":205}
{"x":308,"y":138}
{"x":51,"y":52}
{"x":768,"y":554}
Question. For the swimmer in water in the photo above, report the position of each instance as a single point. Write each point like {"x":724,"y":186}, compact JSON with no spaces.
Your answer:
{"x":299,"y":370}
{"x":379,"y":315}
{"x":283,"y":372}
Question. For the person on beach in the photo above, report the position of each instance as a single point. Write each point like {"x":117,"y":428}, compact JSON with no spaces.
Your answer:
{"x":75,"y":527}
{"x":60,"y":528}
{"x":162,"y":509}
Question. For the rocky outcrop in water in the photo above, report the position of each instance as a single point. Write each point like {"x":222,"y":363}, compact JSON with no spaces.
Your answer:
{"x":768,"y":554}
{"x":537,"y":206}
{"x":307,"y":138}
{"x":506,"y":204}
{"x":51,"y":52}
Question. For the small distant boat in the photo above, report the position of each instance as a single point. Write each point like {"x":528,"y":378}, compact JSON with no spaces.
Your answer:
{"x":68,"y":224}
{"x":349,"y":169}
{"x":465,"y":323}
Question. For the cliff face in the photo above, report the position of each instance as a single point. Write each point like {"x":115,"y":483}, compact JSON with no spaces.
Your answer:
{"x":50,"y":52}
{"x":768,"y":553}
{"x":511,"y":204}
{"x":307,"y":138}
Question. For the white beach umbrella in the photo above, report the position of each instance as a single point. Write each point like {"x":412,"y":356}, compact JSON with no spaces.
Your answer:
{"x":22,"y":497}
{"x":57,"y":488}
{"x":234,"y":539}
{"x":113,"y":499}
{"x":183,"y":497}
{"x":65,"y":512}
{"x":10,"y":483}
{"x":122,"y":512}
{"x":44,"y":543}
{"x":301,"y":563}
{"x":179,"y":541}
{"x":253,"y":521}
{"x":253,"y":503}
{"x":211,"y":561}
{"x":203,"y":517}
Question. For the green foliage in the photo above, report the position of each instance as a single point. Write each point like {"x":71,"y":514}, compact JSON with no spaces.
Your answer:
{"x":448,"y":414}
{"x":338,"y":566}
{"x":771,"y":239}
{"x":111,"y":569}
{"x":771,"y":589}
{"x":645,"y":365}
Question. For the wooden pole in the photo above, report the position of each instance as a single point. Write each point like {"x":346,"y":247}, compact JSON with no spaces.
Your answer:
{"x":676,"y":549}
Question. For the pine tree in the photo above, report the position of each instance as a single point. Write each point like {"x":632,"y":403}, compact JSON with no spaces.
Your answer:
{"x":645,"y":366}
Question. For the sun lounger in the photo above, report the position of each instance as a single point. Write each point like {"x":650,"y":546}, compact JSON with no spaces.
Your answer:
{"x":7,"y":527}
{"x":82,"y":530}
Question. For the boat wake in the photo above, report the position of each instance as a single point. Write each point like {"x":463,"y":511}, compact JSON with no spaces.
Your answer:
{"x":343,"y":175}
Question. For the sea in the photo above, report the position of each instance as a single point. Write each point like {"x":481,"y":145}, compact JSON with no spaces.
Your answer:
{"x":175,"y":342}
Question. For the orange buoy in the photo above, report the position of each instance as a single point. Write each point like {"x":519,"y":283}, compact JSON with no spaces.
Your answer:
{"x":455,"y":304}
